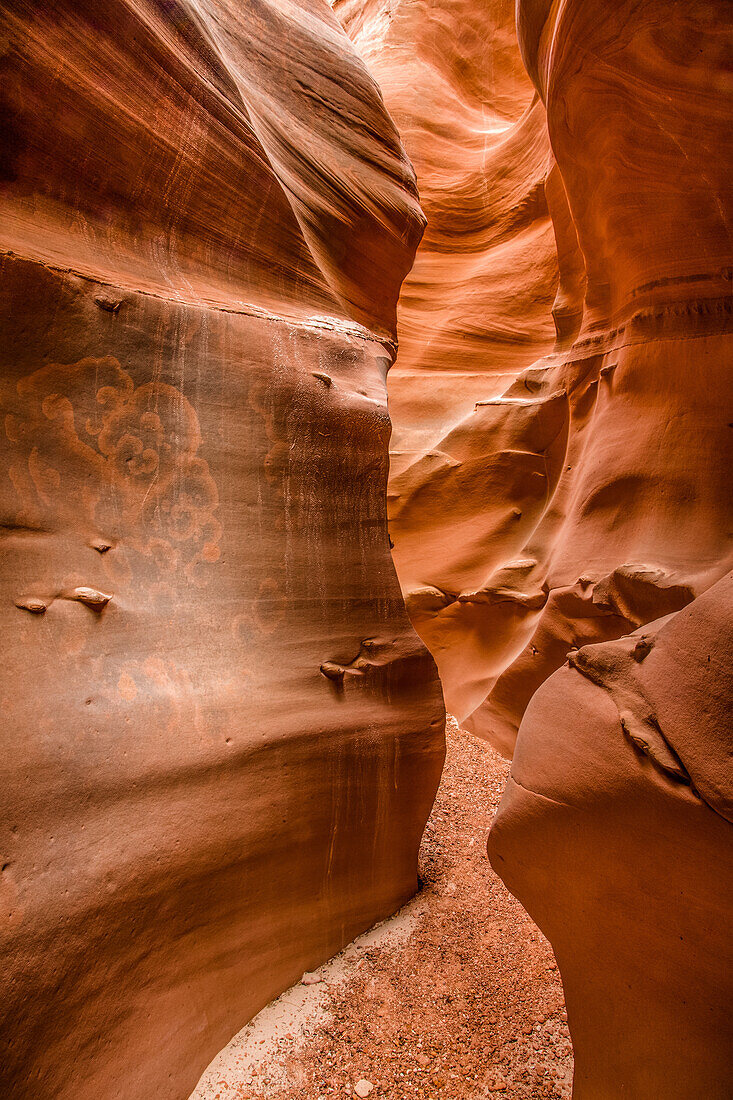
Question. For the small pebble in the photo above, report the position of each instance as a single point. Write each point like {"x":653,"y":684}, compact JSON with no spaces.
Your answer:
{"x":311,"y":979}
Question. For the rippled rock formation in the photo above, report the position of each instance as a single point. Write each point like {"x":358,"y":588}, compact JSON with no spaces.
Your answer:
{"x":575,"y":499}
{"x":635,"y":522}
{"x":221,"y":738}
{"x":615,"y":827}
{"x":475,"y":312}
{"x":545,"y":497}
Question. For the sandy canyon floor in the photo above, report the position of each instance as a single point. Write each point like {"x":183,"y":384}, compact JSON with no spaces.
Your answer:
{"x":457,"y":996}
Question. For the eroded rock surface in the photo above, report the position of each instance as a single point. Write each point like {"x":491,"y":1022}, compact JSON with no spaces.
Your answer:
{"x":466,"y":488}
{"x":615,"y":833}
{"x":206,"y":217}
{"x":636,"y":519}
{"x":615,"y":830}
{"x":545,"y":497}
{"x":575,"y":499}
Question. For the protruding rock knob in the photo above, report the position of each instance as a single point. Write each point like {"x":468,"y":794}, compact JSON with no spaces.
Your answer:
{"x":332,"y":671}
{"x":91,"y":597}
{"x":108,"y":302}
{"x":32,"y":604}
{"x":642,"y":649}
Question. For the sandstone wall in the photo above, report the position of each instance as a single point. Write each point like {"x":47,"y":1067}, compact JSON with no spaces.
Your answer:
{"x":220,"y":736}
{"x":475,"y":312}
{"x":579,"y":514}
{"x":549,"y":493}
{"x":615,"y":829}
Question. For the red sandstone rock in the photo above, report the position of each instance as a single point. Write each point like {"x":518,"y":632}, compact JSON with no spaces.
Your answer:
{"x":542,"y":499}
{"x":206,"y":216}
{"x":585,"y":496}
{"x":635,"y":522}
{"x":615,"y":833}
{"x":221,"y":739}
{"x":474,"y":313}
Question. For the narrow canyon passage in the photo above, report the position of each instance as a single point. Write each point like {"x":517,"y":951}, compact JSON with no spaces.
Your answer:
{"x":363,"y":360}
{"x":457,"y":997}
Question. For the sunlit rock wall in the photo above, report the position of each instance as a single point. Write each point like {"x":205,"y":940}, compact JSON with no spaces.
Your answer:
{"x":466,"y":486}
{"x":220,"y":737}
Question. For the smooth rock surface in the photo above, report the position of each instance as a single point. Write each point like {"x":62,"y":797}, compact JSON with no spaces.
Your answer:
{"x":474,"y":313}
{"x":206,"y":216}
{"x":615,"y":829}
{"x":568,"y":499}
{"x":635,"y":518}
{"x":615,"y":833}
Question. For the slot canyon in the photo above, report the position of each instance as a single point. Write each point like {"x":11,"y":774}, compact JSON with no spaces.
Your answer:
{"x":366,"y":494}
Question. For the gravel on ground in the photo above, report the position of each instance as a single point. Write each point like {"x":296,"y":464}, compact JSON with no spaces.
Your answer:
{"x":455,"y":998}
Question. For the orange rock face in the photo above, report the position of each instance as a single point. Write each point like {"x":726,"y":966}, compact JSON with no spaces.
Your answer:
{"x":220,"y":736}
{"x":615,"y":827}
{"x":547,"y":497}
{"x":575,"y":498}
{"x":475,"y":312}
{"x":615,"y":832}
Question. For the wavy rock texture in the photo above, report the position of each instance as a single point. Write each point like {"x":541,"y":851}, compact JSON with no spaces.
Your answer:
{"x":586,"y":497}
{"x":475,"y":313}
{"x":220,"y":736}
{"x":636,"y":519}
{"x":544,"y":498}
{"x":615,"y":830}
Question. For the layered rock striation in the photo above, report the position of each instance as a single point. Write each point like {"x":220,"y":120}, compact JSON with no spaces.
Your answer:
{"x":475,"y":312}
{"x":220,"y":736}
{"x":615,"y":829}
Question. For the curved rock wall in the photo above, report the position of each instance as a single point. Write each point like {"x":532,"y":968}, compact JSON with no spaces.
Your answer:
{"x":475,"y":312}
{"x":615,"y":833}
{"x":220,"y":737}
{"x":621,"y":782}
{"x":582,"y":508}
{"x":543,"y":497}
{"x":635,"y":524}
